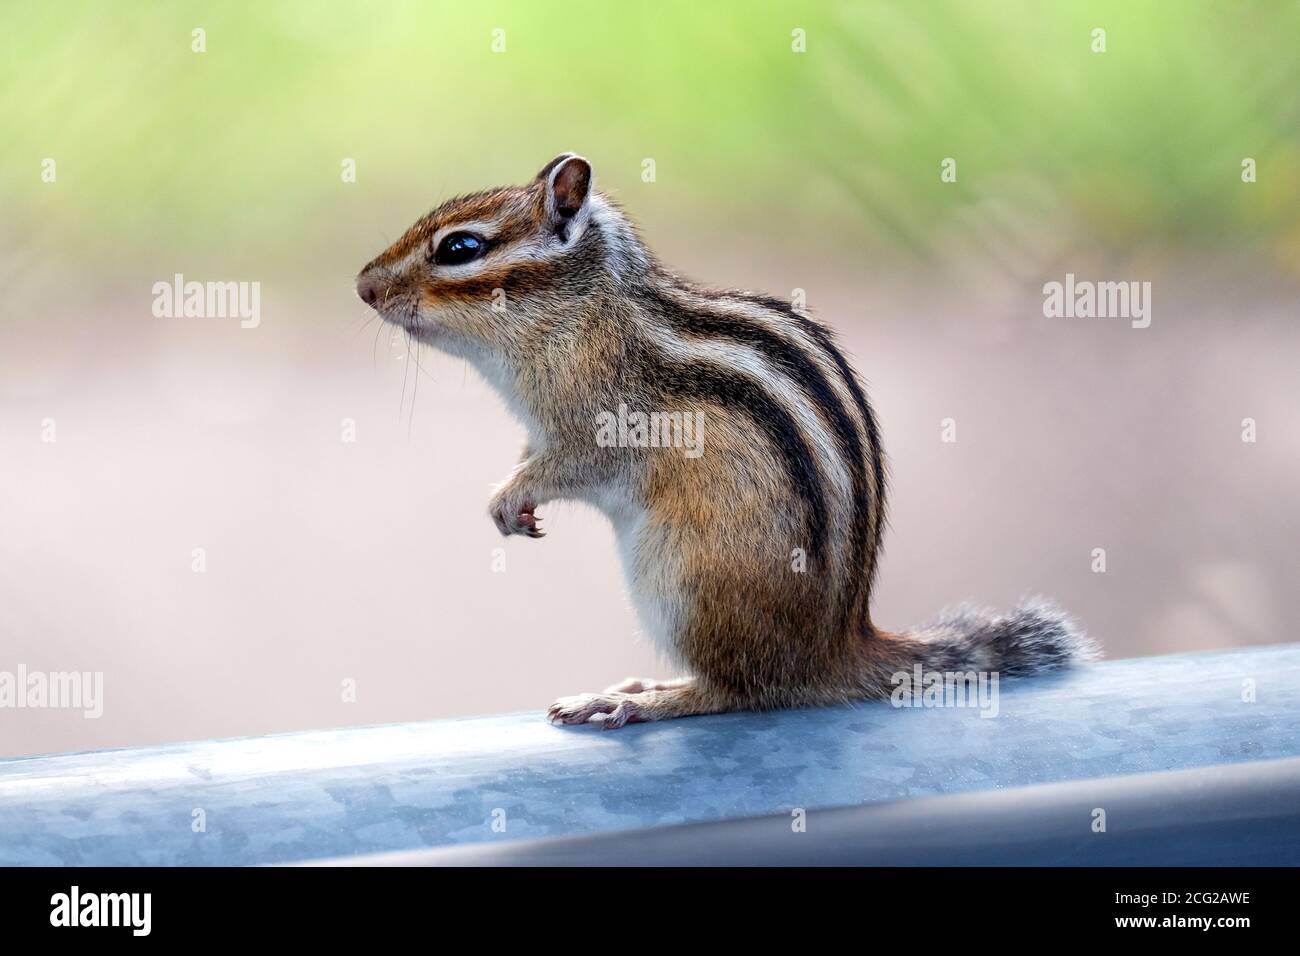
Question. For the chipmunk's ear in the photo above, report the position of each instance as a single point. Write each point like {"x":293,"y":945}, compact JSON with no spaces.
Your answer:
{"x":568,"y":184}
{"x":545,"y":174}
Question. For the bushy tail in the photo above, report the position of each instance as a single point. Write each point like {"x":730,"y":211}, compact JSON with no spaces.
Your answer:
{"x":1035,"y":637}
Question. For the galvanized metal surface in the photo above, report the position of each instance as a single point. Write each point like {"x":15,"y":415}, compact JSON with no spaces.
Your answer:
{"x":339,"y":793}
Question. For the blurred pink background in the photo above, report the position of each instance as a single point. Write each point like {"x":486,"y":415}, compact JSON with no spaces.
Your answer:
{"x":372,"y":561}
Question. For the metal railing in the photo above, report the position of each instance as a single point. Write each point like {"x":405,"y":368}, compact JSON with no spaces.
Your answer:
{"x":1019,"y":777}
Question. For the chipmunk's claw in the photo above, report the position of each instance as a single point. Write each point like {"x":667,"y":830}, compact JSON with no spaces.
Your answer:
{"x":582,"y":707}
{"x":620,"y":715}
{"x":511,"y":521}
{"x":618,"y":709}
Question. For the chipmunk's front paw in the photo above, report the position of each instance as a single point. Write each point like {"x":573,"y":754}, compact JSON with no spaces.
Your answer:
{"x":619,"y":708}
{"x":515,"y":515}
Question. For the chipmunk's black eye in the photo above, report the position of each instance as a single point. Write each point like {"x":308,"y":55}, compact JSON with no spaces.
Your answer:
{"x":459,"y":248}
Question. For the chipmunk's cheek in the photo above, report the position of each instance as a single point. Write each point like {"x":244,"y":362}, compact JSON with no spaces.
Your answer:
{"x":432,"y":307}
{"x":454,"y":306}
{"x":428,"y":300}
{"x":436,"y":315}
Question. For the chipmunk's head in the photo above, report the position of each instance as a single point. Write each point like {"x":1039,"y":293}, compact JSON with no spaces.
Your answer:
{"x":480,"y":270}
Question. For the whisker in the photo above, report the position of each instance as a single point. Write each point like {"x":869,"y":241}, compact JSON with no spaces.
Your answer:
{"x":366,"y":320}
{"x":421,"y":368}
{"x":374,"y":349}
{"x":406,"y":368}
{"x":415,"y":393}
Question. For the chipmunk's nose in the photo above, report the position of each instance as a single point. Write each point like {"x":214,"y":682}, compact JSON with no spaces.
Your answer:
{"x":368,"y":289}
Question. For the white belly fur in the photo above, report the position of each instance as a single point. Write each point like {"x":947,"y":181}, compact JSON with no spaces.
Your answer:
{"x":652,"y":567}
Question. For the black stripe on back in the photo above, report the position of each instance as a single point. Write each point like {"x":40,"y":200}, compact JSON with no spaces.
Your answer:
{"x":788,"y":357}
{"x":739,"y":392}
{"x":823,"y":338}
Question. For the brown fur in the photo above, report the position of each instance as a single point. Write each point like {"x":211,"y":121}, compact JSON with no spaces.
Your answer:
{"x":570,"y":316}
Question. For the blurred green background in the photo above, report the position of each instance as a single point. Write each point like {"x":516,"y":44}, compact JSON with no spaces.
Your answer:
{"x":237,"y":150}
{"x":373,"y":561}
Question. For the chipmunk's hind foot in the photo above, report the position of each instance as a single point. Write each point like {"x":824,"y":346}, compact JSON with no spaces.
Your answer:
{"x":683,"y":700}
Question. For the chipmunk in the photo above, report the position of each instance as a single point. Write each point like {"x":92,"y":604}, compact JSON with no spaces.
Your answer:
{"x":751,"y":563}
